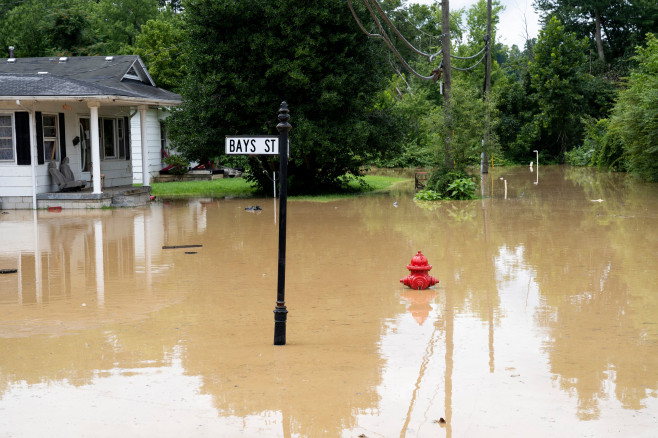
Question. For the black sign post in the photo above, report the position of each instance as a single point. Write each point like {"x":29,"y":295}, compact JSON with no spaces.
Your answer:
{"x":280,"y":311}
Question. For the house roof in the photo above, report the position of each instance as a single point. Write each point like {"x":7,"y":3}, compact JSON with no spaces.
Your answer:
{"x":120,"y":78}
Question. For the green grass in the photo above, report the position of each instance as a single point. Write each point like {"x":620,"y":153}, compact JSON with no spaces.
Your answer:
{"x":217,"y":188}
{"x":238,"y":187}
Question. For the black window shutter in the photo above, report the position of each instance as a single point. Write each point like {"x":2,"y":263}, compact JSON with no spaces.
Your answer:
{"x":22,"y":125}
{"x":62,"y":136}
{"x":126,"y":136}
{"x":39,"y":121}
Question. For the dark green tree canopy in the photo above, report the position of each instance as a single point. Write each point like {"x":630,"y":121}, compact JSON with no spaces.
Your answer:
{"x":614,"y":27}
{"x":247,"y":56}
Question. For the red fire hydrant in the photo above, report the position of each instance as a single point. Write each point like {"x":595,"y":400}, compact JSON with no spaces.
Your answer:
{"x":419,"y":277}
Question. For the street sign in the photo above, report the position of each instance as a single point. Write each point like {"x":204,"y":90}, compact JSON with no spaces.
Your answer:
{"x":252,"y":145}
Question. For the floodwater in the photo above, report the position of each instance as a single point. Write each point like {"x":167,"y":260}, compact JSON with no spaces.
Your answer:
{"x":544,"y":323}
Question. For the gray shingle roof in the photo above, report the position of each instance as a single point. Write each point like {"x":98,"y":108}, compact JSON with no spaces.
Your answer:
{"x":81,"y":76}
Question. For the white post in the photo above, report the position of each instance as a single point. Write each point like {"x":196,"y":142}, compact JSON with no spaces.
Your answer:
{"x":146,"y":180}
{"x":34,"y":155}
{"x":95,"y":147}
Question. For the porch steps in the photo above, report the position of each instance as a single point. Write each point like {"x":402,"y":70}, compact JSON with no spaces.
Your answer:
{"x":127,"y":196}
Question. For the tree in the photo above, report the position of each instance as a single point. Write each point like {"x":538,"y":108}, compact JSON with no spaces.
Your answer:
{"x":250,"y":55}
{"x":634,"y":119}
{"x":118,"y":22}
{"x":615,"y":26}
{"x":24,"y":27}
{"x":161,"y":44}
{"x":558,"y":79}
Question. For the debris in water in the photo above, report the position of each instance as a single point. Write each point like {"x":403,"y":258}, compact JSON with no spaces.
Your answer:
{"x":395,"y":204}
{"x":8,"y":271}
{"x":190,"y":252}
{"x":252,"y":208}
{"x":597,"y":200}
{"x":441,"y":422}
{"x":181,"y":246}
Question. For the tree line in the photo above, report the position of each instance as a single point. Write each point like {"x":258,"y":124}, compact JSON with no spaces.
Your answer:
{"x":584,"y":92}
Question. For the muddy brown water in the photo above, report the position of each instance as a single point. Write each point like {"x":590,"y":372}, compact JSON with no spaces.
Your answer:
{"x":544,"y":323}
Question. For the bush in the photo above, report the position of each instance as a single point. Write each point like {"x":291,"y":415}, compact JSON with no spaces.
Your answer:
{"x":462,"y":188}
{"x":428,"y":195}
{"x":181,"y":165}
{"x":448,"y":184}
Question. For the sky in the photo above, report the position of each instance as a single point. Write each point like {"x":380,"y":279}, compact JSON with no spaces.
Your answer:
{"x":511,"y":29}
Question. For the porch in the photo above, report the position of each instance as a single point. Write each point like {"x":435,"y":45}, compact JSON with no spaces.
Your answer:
{"x":121,"y":196}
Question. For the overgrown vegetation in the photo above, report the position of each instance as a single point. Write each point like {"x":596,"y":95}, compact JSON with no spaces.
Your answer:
{"x":584,"y":92}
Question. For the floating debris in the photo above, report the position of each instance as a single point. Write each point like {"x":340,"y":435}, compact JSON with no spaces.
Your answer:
{"x":190,"y":252}
{"x":597,"y":200}
{"x":253,"y":208}
{"x":181,"y":246}
{"x":8,"y":271}
{"x":441,"y":422}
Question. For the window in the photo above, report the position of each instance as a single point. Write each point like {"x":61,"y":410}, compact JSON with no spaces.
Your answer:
{"x":109,"y":138}
{"x":120,"y":136}
{"x":111,"y":142}
{"x":49,"y":137}
{"x":6,"y":138}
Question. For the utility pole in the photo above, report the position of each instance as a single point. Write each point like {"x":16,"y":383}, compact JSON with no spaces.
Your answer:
{"x":484,"y":163}
{"x":447,"y":81}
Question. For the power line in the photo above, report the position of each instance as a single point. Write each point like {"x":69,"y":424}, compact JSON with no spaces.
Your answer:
{"x":436,"y":72}
{"x":383,"y":36}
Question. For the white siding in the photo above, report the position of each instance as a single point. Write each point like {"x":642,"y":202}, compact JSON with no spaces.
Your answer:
{"x":153,"y":140}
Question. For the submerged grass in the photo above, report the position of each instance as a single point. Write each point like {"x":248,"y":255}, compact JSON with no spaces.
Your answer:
{"x":217,"y":188}
{"x":238,"y":187}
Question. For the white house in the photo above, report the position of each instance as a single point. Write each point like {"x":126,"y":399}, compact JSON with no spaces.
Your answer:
{"x":86,"y":108}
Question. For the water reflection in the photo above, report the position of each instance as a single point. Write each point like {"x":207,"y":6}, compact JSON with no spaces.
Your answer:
{"x":544,"y":324}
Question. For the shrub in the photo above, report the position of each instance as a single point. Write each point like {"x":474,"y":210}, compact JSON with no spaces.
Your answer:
{"x":181,"y":165}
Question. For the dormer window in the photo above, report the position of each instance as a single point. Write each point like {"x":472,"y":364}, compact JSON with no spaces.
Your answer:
{"x":132,"y":74}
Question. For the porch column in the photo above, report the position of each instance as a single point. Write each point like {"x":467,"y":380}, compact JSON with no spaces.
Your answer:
{"x":146,"y":177}
{"x":95,"y":147}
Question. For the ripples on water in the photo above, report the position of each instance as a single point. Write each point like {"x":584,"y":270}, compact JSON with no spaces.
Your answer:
{"x":544,"y":323}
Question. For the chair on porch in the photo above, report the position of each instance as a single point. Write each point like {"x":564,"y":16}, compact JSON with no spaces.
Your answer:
{"x":63,"y":183}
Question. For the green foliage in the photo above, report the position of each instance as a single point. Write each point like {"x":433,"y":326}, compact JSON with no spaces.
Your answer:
{"x":624,"y":24}
{"x":250,"y":55}
{"x":181,"y":165}
{"x":600,"y":148}
{"x":161,"y":45}
{"x":412,"y":114}
{"x":544,"y":103}
{"x":447,"y":185}
{"x":462,"y":188}
{"x":451,"y":184}
{"x":118,"y":22}
{"x":73,"y":27}
{"x":558,"y":79}
{"x":428,"y":195}
{"x":634,"y":119}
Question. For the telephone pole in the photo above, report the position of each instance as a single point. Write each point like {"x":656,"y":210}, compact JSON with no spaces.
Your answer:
{"x":484,"y":163}
{"x":447,"y":81}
